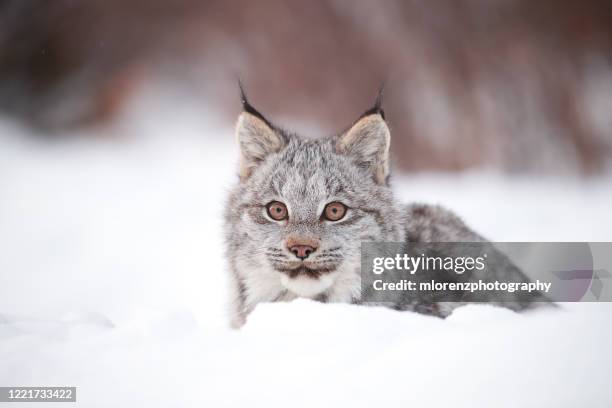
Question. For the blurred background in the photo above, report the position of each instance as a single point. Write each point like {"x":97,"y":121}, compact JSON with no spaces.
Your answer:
{"x":117,"y":152}
{"x":515,"y":86}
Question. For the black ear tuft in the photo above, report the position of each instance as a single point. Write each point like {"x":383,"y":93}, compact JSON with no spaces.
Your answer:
{"x":377,"y":108}
{"x":247,"y":107}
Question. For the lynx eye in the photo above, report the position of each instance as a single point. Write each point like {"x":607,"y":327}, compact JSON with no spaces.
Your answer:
{"x":334,"y":211}
{"x":277,"y":210}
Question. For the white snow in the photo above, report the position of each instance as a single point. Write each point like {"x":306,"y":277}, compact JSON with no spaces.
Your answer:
{"x":112,"y":279}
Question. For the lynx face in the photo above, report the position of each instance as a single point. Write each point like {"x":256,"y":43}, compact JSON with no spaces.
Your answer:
{"x":303,"y":207}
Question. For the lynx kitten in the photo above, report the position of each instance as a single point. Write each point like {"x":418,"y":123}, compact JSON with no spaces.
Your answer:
{"x":302,"y":207}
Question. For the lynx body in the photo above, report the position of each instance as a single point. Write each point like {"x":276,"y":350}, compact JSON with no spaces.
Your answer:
{"x":302,"y":207}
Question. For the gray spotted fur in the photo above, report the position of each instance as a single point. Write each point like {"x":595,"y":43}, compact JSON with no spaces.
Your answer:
{"x":305,"y":174}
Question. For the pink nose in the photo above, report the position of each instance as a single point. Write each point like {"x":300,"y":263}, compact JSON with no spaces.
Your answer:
{"x":302,"y":251}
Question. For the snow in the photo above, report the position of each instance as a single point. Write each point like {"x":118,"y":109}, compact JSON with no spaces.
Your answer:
{"x":112,"y":279}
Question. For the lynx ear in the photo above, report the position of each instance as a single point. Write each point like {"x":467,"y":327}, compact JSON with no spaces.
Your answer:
{"x":367,"y":141}
{"x":257,"y":139}
{"x":256,"y":136}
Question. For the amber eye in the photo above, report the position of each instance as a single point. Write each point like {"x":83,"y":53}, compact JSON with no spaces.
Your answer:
{"x":277,"y":210}
{"x":334,"y":211}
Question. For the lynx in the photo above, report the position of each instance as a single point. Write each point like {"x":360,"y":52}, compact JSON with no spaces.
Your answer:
{"x":302,"y":207}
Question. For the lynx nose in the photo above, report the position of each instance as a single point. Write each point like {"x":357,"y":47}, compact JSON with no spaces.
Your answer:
{"x":302,"y":251}
{"x":302,"y":248}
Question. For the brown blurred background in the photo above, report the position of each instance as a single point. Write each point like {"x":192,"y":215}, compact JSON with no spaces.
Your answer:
{"x":511,"y":85}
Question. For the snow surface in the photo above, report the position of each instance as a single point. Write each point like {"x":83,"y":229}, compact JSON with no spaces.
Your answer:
{"x":112,"y":279}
